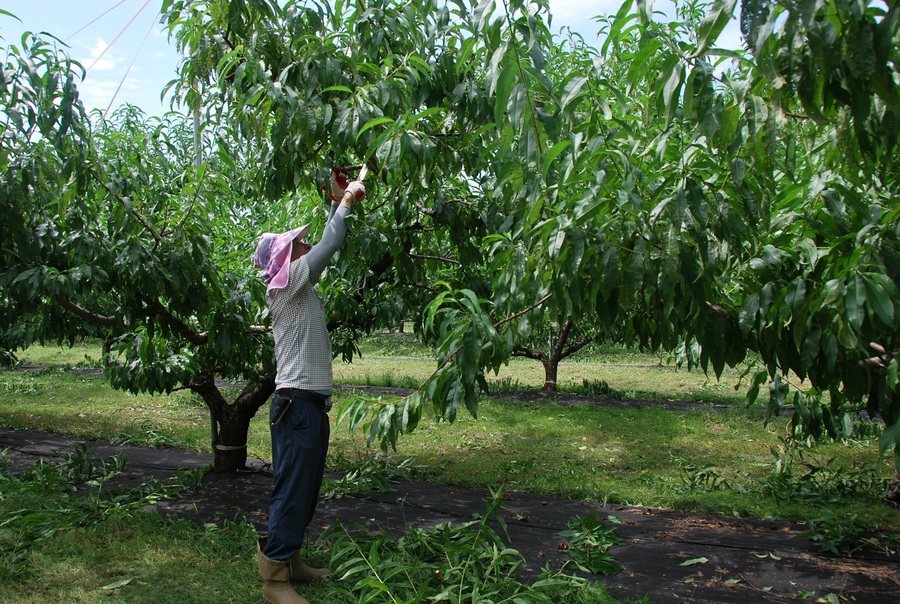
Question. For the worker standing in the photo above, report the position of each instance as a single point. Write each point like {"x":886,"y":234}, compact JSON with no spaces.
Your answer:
{"x":298,"y":414}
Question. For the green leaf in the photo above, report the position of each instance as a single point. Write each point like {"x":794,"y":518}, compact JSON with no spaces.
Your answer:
{"x":673,"y":78}
{"x":373,"y":123}
{"x":809,"y":350}
{"x":693,"y":561}
{"x":517,"y":105}
{"x":854,"y":302}
{"x":890,"y":438}
{"x":623,"y":17}
{"x":795,"y":295}
{"x":116,"y":585}
{"x":506,"y":80}
{"x":552,"y":154}
{"x":879,"y":295}
{"x":716,"y":19}
{"x":572,"y":91}
{"x":758,"y":380}
{"x":495,"y":72}
{"x":483,"y":13}
{"x":338,"y":89}
{"x":428,"y":113}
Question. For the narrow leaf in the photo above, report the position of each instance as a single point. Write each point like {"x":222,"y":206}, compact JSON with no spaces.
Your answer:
{"x":693,"y":561}
{"x":572,"y":91}
{"x":372,"y":123}
{"x":716,"y":20}
{"x":553,"y":153}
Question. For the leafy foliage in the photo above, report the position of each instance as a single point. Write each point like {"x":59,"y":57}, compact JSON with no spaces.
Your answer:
{"x":113,"y":229}
{"x":843,"y":534}
{"x":588,"y":540}
{"x":371,"y":474}
{"x":468,"y":562}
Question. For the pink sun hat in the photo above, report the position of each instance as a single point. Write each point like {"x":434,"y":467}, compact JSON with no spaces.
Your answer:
{"x":273,"y":256}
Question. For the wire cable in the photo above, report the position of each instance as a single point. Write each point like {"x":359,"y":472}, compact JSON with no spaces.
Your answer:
{"x":127,"y":71}
{"x":119,"y":35}
{"x":109,"y":10}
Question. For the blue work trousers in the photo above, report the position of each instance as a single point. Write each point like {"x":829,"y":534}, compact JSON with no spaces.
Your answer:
{"x":300,"y":432}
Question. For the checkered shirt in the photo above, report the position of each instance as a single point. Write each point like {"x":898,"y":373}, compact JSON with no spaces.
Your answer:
{"x":302,"y":345}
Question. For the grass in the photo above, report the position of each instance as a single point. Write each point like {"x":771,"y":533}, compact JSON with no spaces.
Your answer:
{"x":626,"y":373}
{"x":140,"y":558}
{"x":648,"y":456}
{"x":86,"y":406}
{"x":719,"y":462}
{"x":58,"y":546}
{"x":724,"y":461}
{"x":713,"y":461}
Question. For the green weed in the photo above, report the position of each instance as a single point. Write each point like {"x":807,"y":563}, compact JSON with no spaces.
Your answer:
{"x":468,"y":562}
{"x":624,"y":456}
{"x":824,"y":480}
{"x":599,"y":388}
{"x":146,"y":435}
{"x":588,"y":540}
{"x":699,"y":479}
{"x":371,"y":474}
{"x":54,"y":496}
{"x":840,"y":533}
{"x":506,"y":384}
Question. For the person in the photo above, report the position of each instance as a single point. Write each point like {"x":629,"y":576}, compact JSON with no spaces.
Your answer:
{"x":298,"y":414}
{"x":881,"y":360}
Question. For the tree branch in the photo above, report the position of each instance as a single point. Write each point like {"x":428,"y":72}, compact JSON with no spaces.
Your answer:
{"x":578,"y":345}
{"x":189,"y":334}
{"x":134,"y":214}
{"x":882,"y":358}
{"x":528,"y":353}
{"x":561,"y":340}
{"x":523,"y":312}
{"x":430,"y":211}
{"x":716,"y":309}
{"x":439,"y":258}
{"x":427,"y":211}
{"x":84,"y":314}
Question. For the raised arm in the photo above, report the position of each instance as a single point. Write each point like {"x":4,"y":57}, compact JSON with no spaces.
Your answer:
{"x":335,"y":231}
{"x":332,"y":238}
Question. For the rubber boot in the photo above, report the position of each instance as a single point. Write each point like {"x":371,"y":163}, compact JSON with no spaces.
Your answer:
{"x":276,"y":577}
{"x":301,"y":573}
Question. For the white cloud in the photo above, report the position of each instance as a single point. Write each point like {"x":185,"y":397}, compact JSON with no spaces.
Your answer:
{"x":575,"y":11}
{"x":96,"y":93}
{"x":102,"y":57}
{"x":579,"y":14}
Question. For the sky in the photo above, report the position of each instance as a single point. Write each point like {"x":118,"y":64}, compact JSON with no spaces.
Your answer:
{"x":130,"y":59}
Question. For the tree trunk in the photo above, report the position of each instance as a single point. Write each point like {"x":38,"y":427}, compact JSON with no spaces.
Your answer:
{"x":230,"y":439}
{"x":551,"y":370}
{"x":230,"y":422}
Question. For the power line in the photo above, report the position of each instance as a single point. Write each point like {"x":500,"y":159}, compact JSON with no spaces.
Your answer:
{"x":97,"y":19}
{"x":130,"y":65}
{"x":119,"y":35}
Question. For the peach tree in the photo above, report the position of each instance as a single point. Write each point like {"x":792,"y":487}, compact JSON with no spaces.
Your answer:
{"x":711,"y":200}
{"x":112,"y":230}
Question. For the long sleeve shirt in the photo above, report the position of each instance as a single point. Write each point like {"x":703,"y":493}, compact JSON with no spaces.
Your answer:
{"x":302,"y":344}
